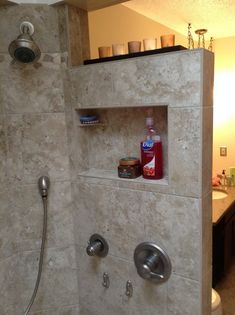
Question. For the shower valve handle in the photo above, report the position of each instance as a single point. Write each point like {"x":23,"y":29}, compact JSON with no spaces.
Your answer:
{"x":152,"y":262}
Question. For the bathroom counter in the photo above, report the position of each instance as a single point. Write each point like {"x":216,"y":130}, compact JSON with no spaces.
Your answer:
{"x":222,"y":206}
{"x":223,"y":218}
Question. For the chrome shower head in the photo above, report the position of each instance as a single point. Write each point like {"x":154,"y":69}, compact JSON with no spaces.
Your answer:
{"x":24,"y":49}
{"x":43,"y":185}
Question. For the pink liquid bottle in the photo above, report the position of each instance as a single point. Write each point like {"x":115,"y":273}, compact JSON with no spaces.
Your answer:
{"x":151,"y":152}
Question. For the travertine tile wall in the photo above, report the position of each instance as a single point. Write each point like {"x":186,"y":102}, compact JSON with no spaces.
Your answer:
{"x":40,"y":135}
{"x":176,"y":213}
{"x":34,"y":141}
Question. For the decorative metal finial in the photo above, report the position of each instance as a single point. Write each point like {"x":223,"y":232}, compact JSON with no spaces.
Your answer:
{"x":201,"y":38}
{"x":190,"y":37}
{"x":210,"y":47}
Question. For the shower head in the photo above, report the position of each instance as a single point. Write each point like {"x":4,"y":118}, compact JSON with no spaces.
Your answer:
{"x":43,"y":185}
{"x":24,"y":49}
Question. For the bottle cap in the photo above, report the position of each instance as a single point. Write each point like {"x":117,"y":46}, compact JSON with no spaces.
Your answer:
{"x":129,"y":161}
{"x":156,"y":138}
{"x":149,"y":121}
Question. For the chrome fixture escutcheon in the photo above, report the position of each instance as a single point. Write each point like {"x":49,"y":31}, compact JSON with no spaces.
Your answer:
{"x":106,"y":281}
{"x":129,"y":289}
{"x":97,"y":246}
{"x":152,"y":262}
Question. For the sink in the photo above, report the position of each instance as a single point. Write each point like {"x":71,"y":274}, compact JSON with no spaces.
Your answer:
{"x":219,"y":194}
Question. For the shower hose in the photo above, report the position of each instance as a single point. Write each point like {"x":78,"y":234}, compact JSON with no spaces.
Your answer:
{"x":44,"y":232}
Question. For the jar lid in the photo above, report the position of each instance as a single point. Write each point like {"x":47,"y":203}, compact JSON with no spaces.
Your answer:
{"x":129,"y":161}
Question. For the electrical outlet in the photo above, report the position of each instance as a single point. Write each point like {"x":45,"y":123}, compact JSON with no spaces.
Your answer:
{"x":223,"y":151}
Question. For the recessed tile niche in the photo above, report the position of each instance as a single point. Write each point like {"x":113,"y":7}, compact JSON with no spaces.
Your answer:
{"x":119,"y":135}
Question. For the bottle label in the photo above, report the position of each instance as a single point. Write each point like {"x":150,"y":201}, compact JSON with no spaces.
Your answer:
{"x":148,"y":145}
{"x":149,"y":168}
{"x":151,"y":160}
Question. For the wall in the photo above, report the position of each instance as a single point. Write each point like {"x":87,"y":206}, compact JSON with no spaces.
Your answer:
{"x":118,"y":24}
{"x":224,"y":112}
{"x":34,"y":141}
{"x":174,"y":212}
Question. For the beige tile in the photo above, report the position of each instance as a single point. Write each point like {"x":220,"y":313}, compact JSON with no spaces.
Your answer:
{"x":37,"y":145}
{"x":172,"y":222}
{"x":92,"y":86}
{"x":7,"y":224}
{"x":33,"y":89}
{"x":151,"y":80}
{"x":206,"y":291}
{"x":206,"y":223}
{"x":208,"y":77}
{"x":3,"y":150}
{"x":58,"y":286}
{"x":183,"y":296}
{"x":207,"y":150}
{"x":66,"y":310}
{"x":62,"y":27}
{"x":21,"y":218}
{"x":158,"y":80}
{"x":94,"y":207}
{"x":185,"y":149}
{"x":10,"y":285}
{"x":127,"y":224}
{"x":146,"y":299}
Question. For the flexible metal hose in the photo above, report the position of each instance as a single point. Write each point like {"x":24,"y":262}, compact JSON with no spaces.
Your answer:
{"x":44,"y":232}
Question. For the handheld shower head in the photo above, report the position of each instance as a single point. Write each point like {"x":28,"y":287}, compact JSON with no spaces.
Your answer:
{"x":43,"y":185}
{"x":24,"y":49}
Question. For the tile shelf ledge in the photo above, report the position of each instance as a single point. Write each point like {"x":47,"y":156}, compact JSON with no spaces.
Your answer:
{"x":119,"y":106}
{"x":112,"y":175}
{"x":137,"y":54}
{"x":92,"y":125}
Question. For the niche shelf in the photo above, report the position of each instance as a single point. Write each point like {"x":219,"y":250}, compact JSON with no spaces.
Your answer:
{"x":112,"y":175}
{"x":100,"y":124}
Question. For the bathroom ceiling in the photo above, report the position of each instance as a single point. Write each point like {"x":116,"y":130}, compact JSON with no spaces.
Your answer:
{"x":91,"y":5}
{"x":88,"y":5}
{"x":5,"y":2}
{"x":218,"y":16}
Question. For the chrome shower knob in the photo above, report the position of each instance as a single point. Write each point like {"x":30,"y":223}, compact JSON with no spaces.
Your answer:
{"x":94,"y":248}
{"x":97,"y":246}
{"x":152,"y":262}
